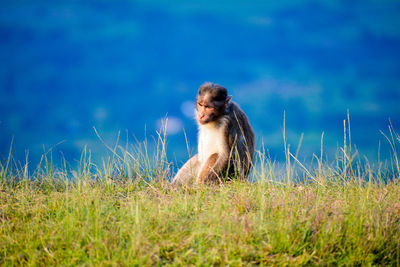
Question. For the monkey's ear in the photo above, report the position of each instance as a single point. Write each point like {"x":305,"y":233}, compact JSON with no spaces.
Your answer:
{"x":229,"y":97}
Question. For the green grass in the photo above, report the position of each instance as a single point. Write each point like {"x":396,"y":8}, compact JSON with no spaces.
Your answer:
{"x":125,"y":213}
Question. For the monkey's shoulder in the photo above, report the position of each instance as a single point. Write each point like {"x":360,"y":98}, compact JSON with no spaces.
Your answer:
{"x":235,"y":117}
{"x":235,"y":113}
{"x":238,"y":126}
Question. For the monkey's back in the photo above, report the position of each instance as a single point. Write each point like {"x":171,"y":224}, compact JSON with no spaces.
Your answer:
{"x":241,"y":140}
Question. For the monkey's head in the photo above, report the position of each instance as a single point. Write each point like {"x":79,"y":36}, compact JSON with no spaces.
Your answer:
{"x":211,"y":102}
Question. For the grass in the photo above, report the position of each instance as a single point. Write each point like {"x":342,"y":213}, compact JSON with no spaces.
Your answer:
{"x":124,"y":212}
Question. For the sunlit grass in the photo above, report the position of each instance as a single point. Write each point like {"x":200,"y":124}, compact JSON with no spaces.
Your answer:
{"x":124,"y":212}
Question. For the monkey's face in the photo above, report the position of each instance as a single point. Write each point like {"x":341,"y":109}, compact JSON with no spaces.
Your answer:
{"x":208,"y":108}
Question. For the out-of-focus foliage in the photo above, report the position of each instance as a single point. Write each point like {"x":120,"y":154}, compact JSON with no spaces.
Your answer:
{"x":66,"y":66}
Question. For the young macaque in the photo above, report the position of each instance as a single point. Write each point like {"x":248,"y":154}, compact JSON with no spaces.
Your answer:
{"x":225,"y":140}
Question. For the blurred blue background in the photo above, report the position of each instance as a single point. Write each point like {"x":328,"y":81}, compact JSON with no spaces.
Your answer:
{"x":69,"y":66}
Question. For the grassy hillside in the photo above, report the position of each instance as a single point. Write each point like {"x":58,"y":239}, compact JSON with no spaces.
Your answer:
{"x":125,"y":223}
{"x":126,"y":213}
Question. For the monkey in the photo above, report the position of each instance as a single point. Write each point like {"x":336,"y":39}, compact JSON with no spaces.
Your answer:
{"x":225,"y":140}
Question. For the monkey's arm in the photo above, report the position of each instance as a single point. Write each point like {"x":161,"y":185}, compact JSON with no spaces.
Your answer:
{"x":187,"y":172}
{"x":212,"y":169}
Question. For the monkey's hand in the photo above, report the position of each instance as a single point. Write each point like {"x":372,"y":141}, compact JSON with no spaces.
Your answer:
{"x":212,"y":169}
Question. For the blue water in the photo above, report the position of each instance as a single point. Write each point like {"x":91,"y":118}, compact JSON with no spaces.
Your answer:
{"x":122,"y":66}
